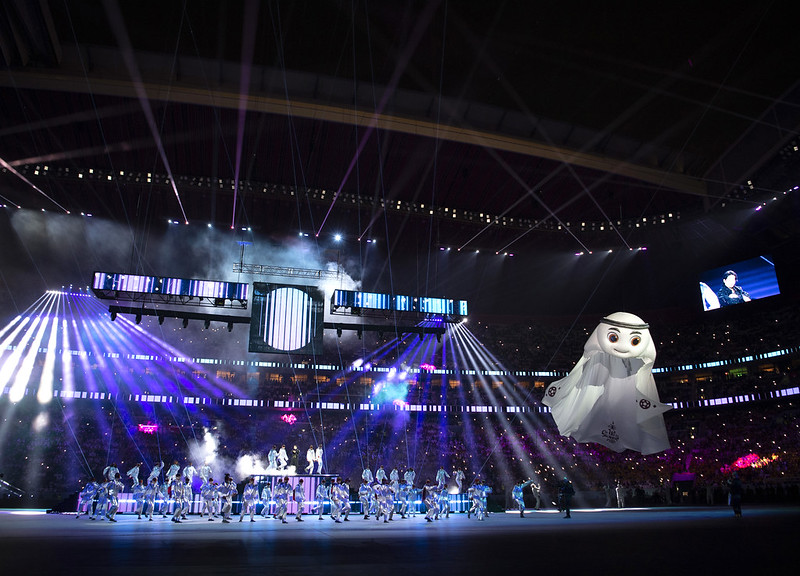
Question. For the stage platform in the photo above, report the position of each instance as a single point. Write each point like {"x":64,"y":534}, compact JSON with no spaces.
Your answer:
{"x":655,"y":541}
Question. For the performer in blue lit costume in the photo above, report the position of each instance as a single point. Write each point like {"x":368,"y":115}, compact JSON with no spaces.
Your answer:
{"x":299,"y":495}
{"x":344,"y":496}
{"x":429,"y":498}
{"x":227,"y":491}
{"x":208,"y":492}
{"x":113,"y":488}
{"x":272,"y":457}
{"x":364,"y":495}
{"x":459,"y":476}
{"x":182,"y":493}
{"x":249,"y":499}
{"x":320,"y":495}
{"x":86,"y":497}
{"x":610,"y":396}
{"x":409,"y":477}
{"x":150,"y":495}
{"x":266,"y":496}
{"x":139,"y":497}
{"x":110,"y":473}
{"x":336,"y":502}
{"x":281,"y":494}
{"x":101,"y":506}
{"x":517,"y":494}
{"x":442,"y":501}
{"x":163,"y":499}
{"x":402,"y":498}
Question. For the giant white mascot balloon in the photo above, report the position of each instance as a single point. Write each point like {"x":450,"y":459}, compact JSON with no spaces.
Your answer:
{"x":610,"y":396}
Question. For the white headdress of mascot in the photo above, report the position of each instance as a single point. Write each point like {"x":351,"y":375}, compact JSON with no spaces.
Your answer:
{"x":610,"y":396}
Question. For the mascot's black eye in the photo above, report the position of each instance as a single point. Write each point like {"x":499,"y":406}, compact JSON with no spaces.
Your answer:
{"x":613,"y":337}
{"x":636,"y":340}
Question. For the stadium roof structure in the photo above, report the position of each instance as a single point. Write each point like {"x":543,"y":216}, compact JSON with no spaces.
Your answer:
{"x":501,"y":127}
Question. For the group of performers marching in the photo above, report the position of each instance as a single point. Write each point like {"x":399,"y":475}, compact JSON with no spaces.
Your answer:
{"x":380,"y":496}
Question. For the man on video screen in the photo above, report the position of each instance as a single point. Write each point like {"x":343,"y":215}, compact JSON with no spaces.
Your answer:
{"x":731,"y":293}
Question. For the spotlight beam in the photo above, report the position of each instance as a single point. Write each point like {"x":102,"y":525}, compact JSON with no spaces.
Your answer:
{"x":118,"y":26}
{"x":13,"y":170}
{"x":422,"y":23}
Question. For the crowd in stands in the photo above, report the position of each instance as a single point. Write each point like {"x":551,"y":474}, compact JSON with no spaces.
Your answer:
{"x":61,"y":444}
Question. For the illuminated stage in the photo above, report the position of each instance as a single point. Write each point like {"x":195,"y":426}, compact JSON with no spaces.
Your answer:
{"x":644,"y":541}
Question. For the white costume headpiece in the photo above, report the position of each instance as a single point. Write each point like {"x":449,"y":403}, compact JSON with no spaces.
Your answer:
{"x":610,"y":396}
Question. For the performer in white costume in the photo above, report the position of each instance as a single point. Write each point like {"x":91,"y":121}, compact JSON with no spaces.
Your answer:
{"x":172,"y":473}
{"x":441,"y":477}
{"x":610,"y":396}
{"x":205,"y":473}
{"x":409,"y":477}
{"x":133,"y":474}
{"x":459,"y":476}
{"x":318,"y":459}
{"x":311,"y":458}
{"x":283,"y":458}
{"x":272,"y":458}
{"x":188,"y":473}
{"x":155,"y":472}
{"x":366,"y":474}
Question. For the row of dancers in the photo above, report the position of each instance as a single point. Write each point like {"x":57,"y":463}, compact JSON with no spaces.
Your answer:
{"x":378,"y":499}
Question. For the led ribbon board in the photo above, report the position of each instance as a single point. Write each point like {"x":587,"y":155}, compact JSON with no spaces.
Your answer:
{"x":286,"y":318}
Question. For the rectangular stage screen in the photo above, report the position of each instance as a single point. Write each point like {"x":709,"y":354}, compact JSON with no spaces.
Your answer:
{"x":137,"y":284}
{"x":358,"y":301}
{"x":738,"y":283}
{"x":286,"y":318}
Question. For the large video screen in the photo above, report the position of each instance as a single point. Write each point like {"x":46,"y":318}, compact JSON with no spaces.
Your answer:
{"x":738,"y":283}
{"x":286,"y":318}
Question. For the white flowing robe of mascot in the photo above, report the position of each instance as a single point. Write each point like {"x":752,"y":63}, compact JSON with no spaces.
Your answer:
{"x":610,"y":396}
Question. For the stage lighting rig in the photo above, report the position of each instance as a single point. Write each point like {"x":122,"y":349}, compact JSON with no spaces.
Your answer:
{"x":182,"y":315}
